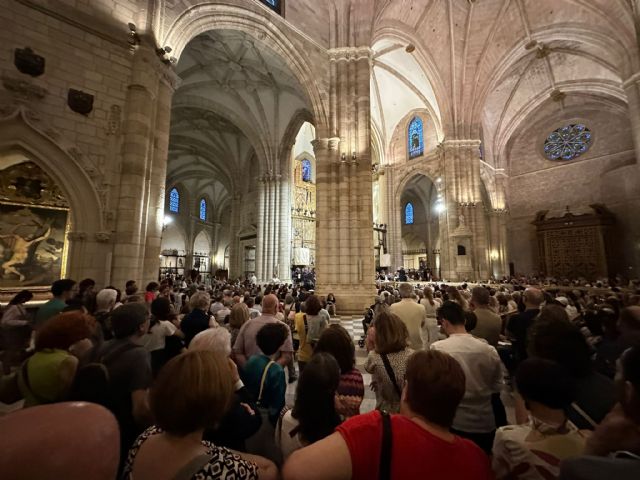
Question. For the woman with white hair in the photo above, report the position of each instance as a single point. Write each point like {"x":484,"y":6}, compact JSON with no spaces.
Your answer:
{"x":198,"y":319}
{"x":105,"y":303}
{"x":240,"y":422}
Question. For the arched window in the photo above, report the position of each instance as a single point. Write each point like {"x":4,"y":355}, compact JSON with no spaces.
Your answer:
{"x":306,"y":170}
{"x":568,"y":142}
{"x":174,"y":200}
{"x":415,"y":138}
{"x":408,"y":214}
{"x":203,"y":209}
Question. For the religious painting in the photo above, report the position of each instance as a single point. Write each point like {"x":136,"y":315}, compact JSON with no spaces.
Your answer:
{"x":32,"y":241}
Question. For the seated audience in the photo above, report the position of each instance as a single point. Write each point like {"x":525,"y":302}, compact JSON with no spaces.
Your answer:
{"x":336,"y":341}
{"x":47,"y":376}
{"x":241,"y":420}
{"x":314,"y":414}
{"x":534,"y":451}
{"x":416,"y":444}
{"x":190,"y":395}
{"x":198,"y":319}
{"x":620,"y":429}
{"x":62,"y":290}
{"x":555,"y":338}
{"x":80,"y":441}
{"x":475,"y":418}
{"x":387,"y":363}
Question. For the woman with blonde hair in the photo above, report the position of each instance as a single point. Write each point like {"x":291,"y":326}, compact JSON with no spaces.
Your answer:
{"x":456,"y":296}
{"x":238,"y":316}
{"x":387,"y":363}
{"x":430,"y":330}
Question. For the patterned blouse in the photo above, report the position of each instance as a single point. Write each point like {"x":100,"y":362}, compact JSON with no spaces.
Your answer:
{"x":386,"y":396}
{"x":534,"y":451}
{"x":350,"y":393}
{"x":223,"y":464}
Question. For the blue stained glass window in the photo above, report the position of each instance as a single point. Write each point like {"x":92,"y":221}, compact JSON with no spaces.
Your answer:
{"x":272,"y":4}
{"x":568,"y":142}
{"x":203,"y":209}
{"x":306,"y":170}
{"x":408,"y":214}
{"x":416,"y":138}
{"x":174,"y":200}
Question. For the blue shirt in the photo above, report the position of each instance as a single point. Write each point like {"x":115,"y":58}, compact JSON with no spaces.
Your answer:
{"x":275,"y":385}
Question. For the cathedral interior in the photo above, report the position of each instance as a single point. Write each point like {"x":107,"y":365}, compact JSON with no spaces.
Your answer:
{"x":474,"y":139}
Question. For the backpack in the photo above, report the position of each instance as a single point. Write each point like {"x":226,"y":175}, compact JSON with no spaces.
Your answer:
{"x":91,"y":383}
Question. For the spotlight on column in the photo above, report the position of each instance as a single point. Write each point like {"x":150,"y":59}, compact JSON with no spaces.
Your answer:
{"x":166,"y":220}
{"x":440,"y":206}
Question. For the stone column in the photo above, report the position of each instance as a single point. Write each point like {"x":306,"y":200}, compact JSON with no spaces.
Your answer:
{"x":158,"y":177}
{"x":284,"y":220}
{"x":260,"y":250}
{"x":235,"y":263}
{"x":464,"y":208}
{"x":632,"y":89}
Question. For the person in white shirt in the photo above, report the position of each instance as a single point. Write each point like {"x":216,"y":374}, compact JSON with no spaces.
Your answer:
{"x":431,"y":331}
{"x":483,"y":371}
{"x":412,"y":314}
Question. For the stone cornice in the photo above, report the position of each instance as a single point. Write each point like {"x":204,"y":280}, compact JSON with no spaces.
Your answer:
{"x":350,"y":54}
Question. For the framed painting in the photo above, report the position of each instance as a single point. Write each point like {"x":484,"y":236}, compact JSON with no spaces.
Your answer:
{"x":32,"y":245}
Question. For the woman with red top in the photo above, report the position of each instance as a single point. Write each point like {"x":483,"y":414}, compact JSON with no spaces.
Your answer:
{"x":419,"y":443}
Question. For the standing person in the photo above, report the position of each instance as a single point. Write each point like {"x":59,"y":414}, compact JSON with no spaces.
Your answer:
{"x":430,"y":331}
{"x":387,"y":363}
{"x":246,"y":344}
{"x":337,"y":342}
{"x":105,"y":303}
{"x":483,"y":372}
{"x":198,"y":319}
{"x":130,"y":375}
{"x":62,"y":290}
{"x":151,"y":292}
{"x":412,"y":314}
{"x":15,"y":315}
{"x":314,"y":414}
{"x":535,"y":450}
{"x":489,"y":323}
{"x":191,"y":395}
{"x":305,"y":350}
{"x":317,"y":319}
{"x":419,"y":444}
{"x":47,"y":376}
{"x":519,"y":325}
{"x":161,"y":328}
{"x":239,"y":316}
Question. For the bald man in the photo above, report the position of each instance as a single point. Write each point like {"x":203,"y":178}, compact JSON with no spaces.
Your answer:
{"x":246,"y":345}
{"x":519,"y":325}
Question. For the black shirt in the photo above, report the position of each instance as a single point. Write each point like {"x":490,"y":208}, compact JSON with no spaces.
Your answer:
{"x":518,"y":327}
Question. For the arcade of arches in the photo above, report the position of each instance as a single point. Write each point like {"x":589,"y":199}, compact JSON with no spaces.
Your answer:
{"x":140,"y":138}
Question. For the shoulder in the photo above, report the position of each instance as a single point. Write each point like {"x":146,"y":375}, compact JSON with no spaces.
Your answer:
{"x":226,"y":464}
{"x":361,"y":427}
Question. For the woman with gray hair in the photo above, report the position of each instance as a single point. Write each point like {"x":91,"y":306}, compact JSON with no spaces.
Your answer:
{"x":240,"y":422}
{"x":199,"y":319}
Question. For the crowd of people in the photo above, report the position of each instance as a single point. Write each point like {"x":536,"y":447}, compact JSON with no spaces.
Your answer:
{"x":196,"y":379}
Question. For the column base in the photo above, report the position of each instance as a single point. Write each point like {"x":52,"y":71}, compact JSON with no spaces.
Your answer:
{"x":351,"y":299}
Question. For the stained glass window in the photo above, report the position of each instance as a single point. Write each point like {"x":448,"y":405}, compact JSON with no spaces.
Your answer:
{"x":416,"y":138}
{"x":203,"y":209}
{"x":273,"y":5}
{"x":174,"y":200}
{"x":306,"y":170}
{"x":568,"y":142}
{"x":408,"y":214}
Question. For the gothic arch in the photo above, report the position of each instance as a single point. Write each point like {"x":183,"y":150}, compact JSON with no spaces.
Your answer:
{"x":260,"y":25}
{"x":19,"y":134}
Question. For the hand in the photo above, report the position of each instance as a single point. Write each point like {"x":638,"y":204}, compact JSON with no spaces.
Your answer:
{"x":373,"y":386}
{"x":249,"y":410}
{"x":235,"y":376}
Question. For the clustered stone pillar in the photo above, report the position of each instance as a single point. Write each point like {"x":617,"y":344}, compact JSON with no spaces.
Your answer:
{"x":143,"y":170}
{"x":464,"y":210}
{"x":273,"y":255}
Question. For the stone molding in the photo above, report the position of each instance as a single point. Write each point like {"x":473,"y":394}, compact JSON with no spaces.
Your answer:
{"x":350,"y":54}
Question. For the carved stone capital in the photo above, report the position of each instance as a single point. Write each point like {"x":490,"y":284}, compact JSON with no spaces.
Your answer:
{"x":103,"y":237}
{"x":77,"y":236}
